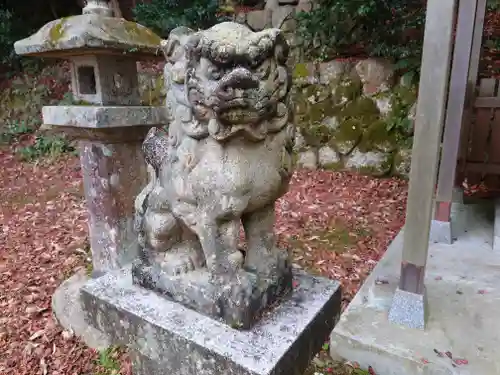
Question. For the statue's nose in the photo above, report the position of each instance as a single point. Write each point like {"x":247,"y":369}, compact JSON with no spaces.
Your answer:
{"x":237,"y":79}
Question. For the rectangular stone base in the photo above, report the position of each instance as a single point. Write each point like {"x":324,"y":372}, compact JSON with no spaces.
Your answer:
{"x":167,"y":338}
{"x":195,"y":291}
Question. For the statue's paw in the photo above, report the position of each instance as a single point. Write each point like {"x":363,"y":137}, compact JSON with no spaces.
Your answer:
{"x":272,"y":265}
{"x":184,"y":265}
{"x":178,"y":264}
{"x":241,"y":289}
{"x":236,"y":289}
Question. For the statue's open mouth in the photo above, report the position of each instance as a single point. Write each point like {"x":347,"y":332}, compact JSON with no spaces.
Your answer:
{"x":240,"y":111}
{"x":239,"y":115}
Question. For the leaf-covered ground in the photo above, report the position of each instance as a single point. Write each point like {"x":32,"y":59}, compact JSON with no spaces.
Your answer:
{"x":338,"y":224}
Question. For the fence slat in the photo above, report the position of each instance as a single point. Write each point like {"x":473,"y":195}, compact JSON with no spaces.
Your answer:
{"x":495,"y":135}
{"x":479,"y":149}
{"x":487,"y":102}
{"x":467,"y":127}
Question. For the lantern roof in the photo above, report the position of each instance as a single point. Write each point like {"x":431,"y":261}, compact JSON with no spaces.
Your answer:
{"x":95,"y":31}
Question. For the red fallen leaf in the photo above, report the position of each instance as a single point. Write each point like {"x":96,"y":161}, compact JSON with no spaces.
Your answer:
{"x":461,"y":361}
{"x":371,"y":371}
{"x":424,"y":361}
{"x":329,"y":369}
{"x":295,"y":284}
{"x":334,"y":203}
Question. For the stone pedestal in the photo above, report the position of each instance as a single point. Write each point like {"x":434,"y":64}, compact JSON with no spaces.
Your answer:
{"x":114,"y":172}
{"x":166,"y":338}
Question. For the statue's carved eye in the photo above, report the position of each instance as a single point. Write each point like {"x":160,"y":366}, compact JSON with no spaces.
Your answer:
{"x":214,"y":73}
{"x":263,"y":69}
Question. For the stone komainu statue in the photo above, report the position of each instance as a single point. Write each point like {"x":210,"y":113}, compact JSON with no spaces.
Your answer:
{"x":226,"y":159}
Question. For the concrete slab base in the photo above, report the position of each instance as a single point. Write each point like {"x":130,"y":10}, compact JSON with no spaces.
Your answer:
{"x":463,"y":299}
{"x":166,"y":338}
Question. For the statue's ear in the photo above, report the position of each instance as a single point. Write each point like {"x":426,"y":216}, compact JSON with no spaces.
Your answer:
{"x":173,"y":47}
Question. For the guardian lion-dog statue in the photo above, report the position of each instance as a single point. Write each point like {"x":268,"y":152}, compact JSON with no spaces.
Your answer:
{"x":226,"y":159}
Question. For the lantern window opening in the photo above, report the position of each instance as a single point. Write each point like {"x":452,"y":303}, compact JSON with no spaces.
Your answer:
{"x":86,"y":80}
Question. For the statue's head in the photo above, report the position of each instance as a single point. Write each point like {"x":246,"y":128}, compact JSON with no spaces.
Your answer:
{"x":235,"y":81}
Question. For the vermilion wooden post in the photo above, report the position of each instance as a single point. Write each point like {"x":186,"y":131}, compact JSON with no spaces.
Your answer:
{"x":409,"y":304}
{"x":464,"y":73}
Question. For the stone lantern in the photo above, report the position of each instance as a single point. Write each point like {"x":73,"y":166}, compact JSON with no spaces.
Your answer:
{"x":107,"y":118}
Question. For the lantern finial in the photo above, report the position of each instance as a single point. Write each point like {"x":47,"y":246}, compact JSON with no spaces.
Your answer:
{"x":100,"y":7}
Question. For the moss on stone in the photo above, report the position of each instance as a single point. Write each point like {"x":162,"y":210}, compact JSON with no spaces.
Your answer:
{"x":377,"y":137}
{"x":56,"y":32}
{"x":360,"y":123}
{"x":300,"y":71}
{"x":316,"y":134}
{"x":141,"y":34}
{"x":353,"y":118}
{"x":397,"y":120}
{"x":153,"y":92}
{"x":361,"y":108}
{"x":346,"y":88}
{"x":319,"y":111}
{"x":337,"y":166}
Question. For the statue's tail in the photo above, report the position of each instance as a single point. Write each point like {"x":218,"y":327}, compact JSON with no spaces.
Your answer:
{"x":140,"y":203}
{"x":154,"y":149}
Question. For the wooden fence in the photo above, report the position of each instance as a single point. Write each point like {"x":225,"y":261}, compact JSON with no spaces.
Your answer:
{"x":479,"y":160}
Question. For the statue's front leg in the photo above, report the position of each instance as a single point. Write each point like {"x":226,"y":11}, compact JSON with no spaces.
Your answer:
{"x":263,"y":256}
{"x":219,"y":235}
{"x":219,"y":241}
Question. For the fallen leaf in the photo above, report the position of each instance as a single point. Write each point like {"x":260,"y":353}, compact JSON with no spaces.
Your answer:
{"x":36,"y":335}
{"x":43,"y":366}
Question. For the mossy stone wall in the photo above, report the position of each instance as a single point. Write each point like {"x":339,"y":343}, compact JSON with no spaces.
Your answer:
{"x":353,"y":115}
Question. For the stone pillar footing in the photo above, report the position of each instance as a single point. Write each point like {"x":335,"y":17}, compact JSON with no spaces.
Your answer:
{"x":496,"y":227}
{"x":441,"y":232}
{"x":166,"y":338}
{"x":447,"y":231}
{"x":408,"y":309}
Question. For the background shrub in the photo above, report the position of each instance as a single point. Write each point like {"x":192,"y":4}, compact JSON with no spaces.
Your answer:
{"x":164,"y":15}
{"x":391,"y":29}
